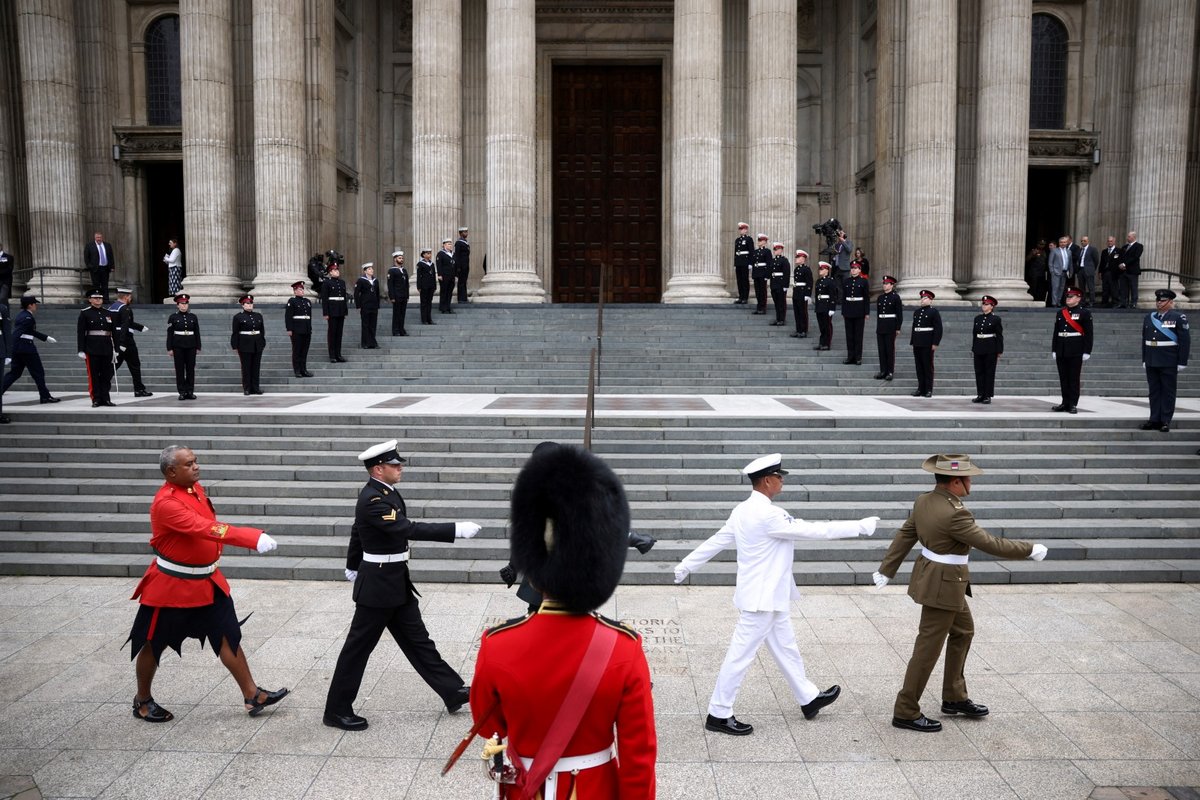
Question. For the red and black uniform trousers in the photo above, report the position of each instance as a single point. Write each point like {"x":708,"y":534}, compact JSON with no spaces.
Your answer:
{"x":1071,"y":340}
{"x":987,"y":345}
{"x":95,"y":340}
{"x":889,"y":318}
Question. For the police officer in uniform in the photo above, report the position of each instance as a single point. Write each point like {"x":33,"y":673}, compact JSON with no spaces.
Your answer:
{"x":759,"y":270}
{"x":94,"y":334}
{"x":183,"y":345}
{"x":397,"y":288}
{"x":249,"y":340}
{"x":802,"y":286}
{"x":127,"y":349}
{"x":426,"y":285}
{"x":462,"y":264}
{"x":889,"y":318}
{"x":1070,"y":346}
{"x":856,"y":307}
{"x":24,"y":353}
{"x":445,"y":272}
{"x":987,"y":345}
{"x":926,"y":336}
{"x":1166,"y":343}
{"x":825,"y":298}
{"x":779,"y":284}
{"x":297,"y":321}
{"x":366,"y":297}
{"x":384,"y":595}
{"x":743,"y":245}
{"x":941,"y":584}
{"x":334,"y":308}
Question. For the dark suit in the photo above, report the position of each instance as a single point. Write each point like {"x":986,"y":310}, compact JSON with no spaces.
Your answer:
{"x":462,"y":267}
{"x":24,"y":352}
{"x":445,"y":272}
{"x":385,"y":597}
{"x":1129,"y":267}
{"x":100,"y":274}
{"x":94,"y":333}
{"x":366,"y":297}
{"x":1087,"y":261}
{"x":126,"y":344}
{"x":249,"y":339}
{"x":397,"y":283}
{"x":1108,"y":274}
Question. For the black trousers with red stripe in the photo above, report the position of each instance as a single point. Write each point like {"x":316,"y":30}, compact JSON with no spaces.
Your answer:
{"x":100,"y":375}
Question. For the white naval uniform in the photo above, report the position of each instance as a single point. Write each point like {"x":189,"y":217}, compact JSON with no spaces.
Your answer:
{"x":764,"y":535}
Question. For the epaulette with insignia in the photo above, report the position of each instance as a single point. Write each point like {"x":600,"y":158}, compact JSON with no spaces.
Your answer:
{"x":617,"y":626}
{"x":507,"y":625}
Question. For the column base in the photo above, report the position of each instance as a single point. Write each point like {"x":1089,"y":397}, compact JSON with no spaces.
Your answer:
{"x":695,"y":289}
{"x":511,"y":287}
{"x":945,"y":292}
{"x":1009,"y":292}
{"x":57,"y":287}
{"x":217,"y":289}
{"x":277,"y":288}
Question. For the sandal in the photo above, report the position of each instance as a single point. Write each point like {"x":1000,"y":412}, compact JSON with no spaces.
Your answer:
{"x":254,"y":706}
{"x":154,"y":712}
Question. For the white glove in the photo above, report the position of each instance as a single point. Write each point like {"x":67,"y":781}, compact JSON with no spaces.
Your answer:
{"x":122,"y":348}
{"x":831,"y":313}
{"x":144,"y":329}
{"x":266,"y":544}
{"x":880,"y":579}
{"x":465,"y":530}
{"x":1039,"y":552}
{"x":681,"y":574}
{"x":7,"y":361}
{"x":352,"y":575}
{"x":1054,"y":355}
{"x":1181,"y":368}
{"x":868,"y":525}
{"x":51,"y":340}
{"x":1086,"y":356}
{"x":807,"y":300}
{"x":81,"y":355}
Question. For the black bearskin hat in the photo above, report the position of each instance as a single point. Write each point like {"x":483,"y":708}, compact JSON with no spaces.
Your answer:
{"x":569,"y":526}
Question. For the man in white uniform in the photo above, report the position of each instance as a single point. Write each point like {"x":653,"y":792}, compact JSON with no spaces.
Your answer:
{"x":765,"y":535}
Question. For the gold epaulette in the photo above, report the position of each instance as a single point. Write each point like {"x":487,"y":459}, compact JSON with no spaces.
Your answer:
{"x":618,"y":626}
{"x":507,"y":625}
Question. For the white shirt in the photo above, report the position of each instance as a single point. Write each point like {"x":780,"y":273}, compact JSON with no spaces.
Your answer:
{"x":765,"y":537}
{"x":173,"y":257}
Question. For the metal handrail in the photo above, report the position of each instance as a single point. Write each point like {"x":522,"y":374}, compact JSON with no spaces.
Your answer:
{"x":589,"y":417}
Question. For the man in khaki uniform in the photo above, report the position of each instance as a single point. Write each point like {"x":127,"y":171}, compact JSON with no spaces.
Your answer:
{"x":941,"y":583}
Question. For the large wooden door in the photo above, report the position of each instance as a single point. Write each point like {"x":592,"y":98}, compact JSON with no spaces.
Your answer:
{"x":607,"y":188}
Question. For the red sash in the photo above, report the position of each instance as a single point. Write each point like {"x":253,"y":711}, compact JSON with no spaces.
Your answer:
{"x":1066,"y":315}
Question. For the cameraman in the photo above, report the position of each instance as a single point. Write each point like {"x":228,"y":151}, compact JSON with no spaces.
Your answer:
{"x":843,"y":253}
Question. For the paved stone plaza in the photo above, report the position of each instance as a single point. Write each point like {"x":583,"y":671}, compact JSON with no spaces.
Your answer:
{"x":1089,"y":684}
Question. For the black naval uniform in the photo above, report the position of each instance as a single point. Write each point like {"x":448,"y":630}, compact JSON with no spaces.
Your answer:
{"x":366,"y":297}
{"x":249,"y":339}
{"x":987,"y":344}
{"x":334,"y":307}
{"x":445,"y":271}
{"x":126,"y":344}
{"x":856,"y":307}
{"x":889,"y":318}
{"x":802,"y":285}
{"x":1166,"y":343}
{"x":1070,"y":340}
{"x":5,"y":343}
{"x":385,"y":597}
{"x":297,"y":320}
{"x":825,"y":298}
{"x":743,"y":246}
{"x":779,"y":285}
{"x":760,"y":269}
{"x":926,"y":334}
{"x":426,"y":285}
{"x":183,"y":343}
{"x":397,"y":278}
{"x":95,"y":338}
{"x":462,"y":267}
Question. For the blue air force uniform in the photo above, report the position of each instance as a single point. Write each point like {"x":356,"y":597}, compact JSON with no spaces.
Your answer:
{"x":24,"y":353}
{"x":1166,"y":342}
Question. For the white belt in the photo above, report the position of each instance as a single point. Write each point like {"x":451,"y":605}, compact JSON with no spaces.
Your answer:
{"x":985,"y":336}
{"x":249,"y":333}
{"x":822,"y":297}
{"x":571,"y":764}
{"x":887,"y":316}
{"x":173,"y":567}
{"x":848,"y":299}
{"x":776,"y":274}
{"x":183,"y":333}
{"x":922,"y":330}
{"x":99,"y":333}
{"x":742,"y":253}
{"x":335,"y":298}
{"x":1161,"y":344}
{"x":389,"y":558}
{"x":305,"y":316}
{"x":943,"y":558}
{"x":801,"y":284}
{"x":1069,"y":333}
{"x":27,"y":336}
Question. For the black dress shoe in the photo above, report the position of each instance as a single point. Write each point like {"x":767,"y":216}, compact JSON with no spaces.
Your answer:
{"x":51,"y":400}
{"x":818,"y":347}
{"x":1165,"y":429}
{"x":143,"y":393}
{"x":183,"y":397}
{"x":826,"y":697}
{"x":257,"y":391}
{"x":825,"y":347}
{"x":847,"y":361}
{"x":341,"y":360}
{"x":4,"y":420}
{"x":729,"y":725}
{"x":977,"y":399}
{"x":347,"y":722}
{"x":878,"y":376}
{"x":968,"y":708}
{"x":1072,"y":410}
{"x":306,"y":374}
{"x":804,"y":334}
{"x":796,"y":336}
{"x":917,"y":393}
{"x":191,"y":396}
{"x":1151,"y":425}
{"x":888,"y":377}
{"x":858,"y":361}
{"x":459,"y":700}
{"x":759,"y":313}
{"x":108,"y":403}
{"x":928,"y":394}
{"x":987,"y":401}
{"x":268,"y":699}
{"x":298,"y":374}
{"x":246,"y":392}
{"x":921,"y":724}
{"x":1062,"y":407}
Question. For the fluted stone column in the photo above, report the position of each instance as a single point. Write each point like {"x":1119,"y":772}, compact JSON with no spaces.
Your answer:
{"x":771,"y":119}
{"x":209,"y":205}
{"x":437,"y":121}
{"x":1162,"y":80}
{"x":889,"y":134}
{"x":696,"y":155}
{"x":281,"y":233}
{"x":930,"y":108}
{"x":50,"y":103}
{"x":1002,"y":179}
{"x":511,"y":154}
{"x":9,"y":230}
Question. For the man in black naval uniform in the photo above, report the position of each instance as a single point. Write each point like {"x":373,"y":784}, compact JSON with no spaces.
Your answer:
{"x":24,"y":353}
{"x":126,"y":344}
{"x":426,"y":285}
{"x":926,"y":336}
{"x":1070,"y":346}
{"x":825,"y":298}
{"x":856,"y":307}
{"x":183,"y":345}
{"x":445,"y":273}
{"x":297,"y":321}
{"x":760,"y":268}
{"x":334,"y":309}
{"x":987,"y":345}
{"x":743,"y":245}
{"x":462,"y":264}
{"x":802,"y":286}
{"x":779,"y":283}
{"x":6,"y":346}
{"x":384,"y":595}
{"x":1166,"y":343}
{"x":366,"y":297}
{"x":249,"y":340}
{"x":8,"y":266}
{"x":397,"y":289}
{"x":889,"y":318}
{"x":94,"y":334}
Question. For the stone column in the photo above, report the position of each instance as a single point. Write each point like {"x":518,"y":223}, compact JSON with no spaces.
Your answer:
{"x":696,"y":155}
{"x":930,"y":136}
{"x":50,"y":104}
{"x":511,"y":155}
{"x":281,"y":234}
{"x":1002,"y":172}
{"x":209,"y":204}
{"x":889,"y":134}
{"x":1162,"y":80}
{"x":771,"y":120}
{"x":9,"y":230}
{"x":437,"y":121}
{"x":321,"y":120}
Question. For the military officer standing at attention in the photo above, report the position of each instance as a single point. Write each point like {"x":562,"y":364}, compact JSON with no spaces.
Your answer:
{"x":366,"y":297}
{"x":397,"y":288}
{"x":1070,"y":346}
{"x":889,"y":318}
{"x":183,"y":345}
{"x":249,"y":340}
{"x":426,"y":285}
{"x":856,"y":307}
{"x":779,"y":284}
{"x":24,"y":353}
{"x":926,"y":336}
{"x":743,"y":246}
{"x":334,"y":308}
{"x":941,"y":584}
{"x":987,"y":345}
{"x":297,"y":320}
{"x":445,"y":273}
{"x":384,"y":595}
{"x":1166,"y":343}
{"x":462,"y":264}
{"x":802,"y":286}
{"x":94,"y":334}
{"x":825,"y":298}
{"x":126,"y":344}
{"x":759,"y":270}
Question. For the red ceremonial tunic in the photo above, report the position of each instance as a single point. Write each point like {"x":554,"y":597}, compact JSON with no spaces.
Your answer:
{"x":184,"y":529}
{"x":528,"y":665}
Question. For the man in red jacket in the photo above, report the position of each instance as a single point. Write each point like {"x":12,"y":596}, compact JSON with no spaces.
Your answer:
{"x":183,"y":594}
